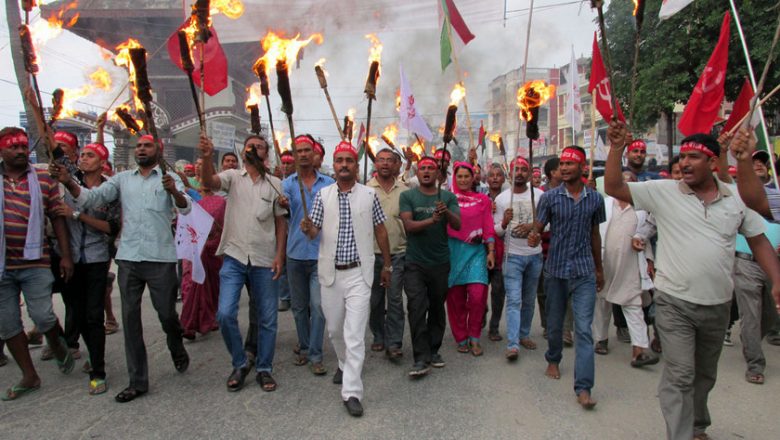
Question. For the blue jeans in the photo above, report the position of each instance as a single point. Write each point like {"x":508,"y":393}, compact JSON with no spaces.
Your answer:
{"x":35,"y":283}
{"x":582,"y":291}
{"x":232,"y":278}
{"x":306,"y":306}
{"x":521,"y":277}
{"x":284,"y":286}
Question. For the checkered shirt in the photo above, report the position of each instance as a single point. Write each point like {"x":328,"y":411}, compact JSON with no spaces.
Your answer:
{"x":346,"y":246}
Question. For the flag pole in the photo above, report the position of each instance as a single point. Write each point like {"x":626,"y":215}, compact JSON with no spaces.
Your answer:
{"x":592,"y":133}
{"x":519,"y":119}
{"x":460,"y":80}
{"x":639,"y":15}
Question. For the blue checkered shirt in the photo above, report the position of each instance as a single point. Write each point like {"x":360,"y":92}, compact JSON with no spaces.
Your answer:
{"x":346,"y":246}
{"x":570,"y":255}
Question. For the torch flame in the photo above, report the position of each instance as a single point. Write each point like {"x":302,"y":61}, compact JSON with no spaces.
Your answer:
{"x":457,"y":94}
{"x":351,"y":114}
{"x":254,"y":95}
{"x":398,"y":100}
{"x":391,"y":133}
{"x":495,"y":137}
{"x":375,"y":53}
{"x":44,"y":30}
{"x":284,"y":146}
{"x":533,"y":94}
{"x":122,"y":59}
{"x":100,"y":80}
{"x":232,"y":9}
{"x":114,"y":117}
{"x":418,"y":148}
{"x":277,"y":48}
{"x":636,"y":6}
{"x":373,"y":145}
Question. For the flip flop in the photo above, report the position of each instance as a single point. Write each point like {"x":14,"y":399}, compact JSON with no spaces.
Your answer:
{"x":18,"y":391}
{"x":755,"y":378}
{"x":97,"y":386}
{"x":66,"y":365}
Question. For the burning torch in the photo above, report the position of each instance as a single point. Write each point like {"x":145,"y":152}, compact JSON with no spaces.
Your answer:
{"x":31,"y":67}
{"x":349,"y":125}
{"x":450,"y":122}
{"x":529,"y":98}
{"x":143,"y":89}
{"x":127,"y":119}
{"x":639,"y":16}
{"x":189,"y":67}
{"x":322,"y":77}
{"x":265,"y":90}
{"x":370,"y":91}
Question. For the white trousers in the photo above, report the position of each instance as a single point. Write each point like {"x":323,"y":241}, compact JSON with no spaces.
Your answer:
{"x":346,"y":304}
{"x":635,"y":318}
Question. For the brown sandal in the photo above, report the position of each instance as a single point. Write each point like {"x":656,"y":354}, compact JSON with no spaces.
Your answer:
{"x":265,"y":380}
{"x":755,"y":378}
{"x":476,"y":349}
{"x":528,"y":344}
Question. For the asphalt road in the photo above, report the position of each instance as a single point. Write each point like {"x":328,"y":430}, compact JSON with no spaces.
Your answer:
{"x":471,"y":397}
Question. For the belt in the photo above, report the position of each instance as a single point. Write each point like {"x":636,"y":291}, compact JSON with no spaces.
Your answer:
{"x":351,"y":265}
{"x":745,"y":256}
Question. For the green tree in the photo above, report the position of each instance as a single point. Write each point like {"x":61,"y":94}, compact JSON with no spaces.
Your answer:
{"x":673,"y":52}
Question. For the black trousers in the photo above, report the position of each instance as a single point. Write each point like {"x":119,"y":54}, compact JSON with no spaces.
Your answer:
{"x":134,"y":277}
{"x":426,"y":290}
{"x":84,"y":296}
{"x":497,"y":296}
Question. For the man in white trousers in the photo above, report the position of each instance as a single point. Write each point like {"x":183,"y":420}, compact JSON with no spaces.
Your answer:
{"x":349,"y":216}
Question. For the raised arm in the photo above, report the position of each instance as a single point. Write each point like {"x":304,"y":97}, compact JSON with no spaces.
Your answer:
{"x":208,"y":175}
{"x":750,"y":187}
{"x":617,"y":133}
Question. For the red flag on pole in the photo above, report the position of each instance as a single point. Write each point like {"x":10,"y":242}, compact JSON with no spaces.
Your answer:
{"x":704,"y":104}
{"x":741,"y":105}
{"x":599,"y":81}
{"x":215,"y":61}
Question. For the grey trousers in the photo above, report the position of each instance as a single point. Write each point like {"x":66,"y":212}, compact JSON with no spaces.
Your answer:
{"x":133,"y":278}
{"x":692,"y":338}
{"x":386,"y":319}
{"x":757,"y":313}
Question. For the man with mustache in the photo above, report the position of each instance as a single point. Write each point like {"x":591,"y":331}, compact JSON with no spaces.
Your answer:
{"x":253,"y":245}
{"x":348,"y":216}
{"x":146,"y":255}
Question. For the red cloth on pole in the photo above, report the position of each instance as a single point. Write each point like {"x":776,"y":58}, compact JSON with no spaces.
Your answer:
{"x":599,"y":81}
{"x":741,"y":105}
{"x":215,"y":61}
{"x":704,"y":104}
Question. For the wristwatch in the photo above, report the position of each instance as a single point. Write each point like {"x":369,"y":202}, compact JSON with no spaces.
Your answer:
{"x":388,"y":269}
{"x":76,"y":215}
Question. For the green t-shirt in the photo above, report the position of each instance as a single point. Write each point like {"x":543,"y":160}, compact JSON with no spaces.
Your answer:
{"x":428,"y":247}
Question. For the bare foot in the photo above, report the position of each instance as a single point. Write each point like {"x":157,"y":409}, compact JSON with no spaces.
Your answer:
{"x":585,"y":400}
{"x":552,"y":371}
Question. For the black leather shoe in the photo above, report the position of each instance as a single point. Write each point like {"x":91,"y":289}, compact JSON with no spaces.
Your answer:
{"x":354,"y":408}
{"x":338,"y":377}
{"x":182,"y":362}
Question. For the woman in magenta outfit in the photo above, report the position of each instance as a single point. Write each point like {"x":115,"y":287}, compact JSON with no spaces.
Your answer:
{"x":199,"y":301}
{"x":472,"y":253}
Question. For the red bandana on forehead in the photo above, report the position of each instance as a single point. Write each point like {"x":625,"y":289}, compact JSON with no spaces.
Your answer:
{"x":439,"y":153}
{"x":150,"y":138}
{"x":66,"y":138}
{"x":695,"y":146}
{"x":10,"y":140}
{"x":521,"y":161}
{"x":287,"y":158}
{"x":572,"y":155}
{"x":345,"y":147}
{"x":427,"y":160}
{"x":304,"y":140}
{"x":637,"y":145}
{"x":99,"y":149}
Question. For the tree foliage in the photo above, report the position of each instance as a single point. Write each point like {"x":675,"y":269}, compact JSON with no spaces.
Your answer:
{"x":673,"y":52}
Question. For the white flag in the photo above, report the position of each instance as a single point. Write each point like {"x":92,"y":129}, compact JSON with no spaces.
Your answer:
{"x":192,"y":230}
{"x":601,"y":149}
{"x":671,"y":7}
{"x":574,"y":105}
{"x":410,"y":119}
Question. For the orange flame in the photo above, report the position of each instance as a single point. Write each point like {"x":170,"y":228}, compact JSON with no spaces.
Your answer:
{"x":636,"y":6}
{"x":100,"y":80}
{"x":44,"y":30}
{"x":457,"y":94}
{"x":398,"y":100}
{"x":373,"y":144}
{"x":122,"y":59}
{"x":533,"y":94}
{"x":391,"y":133}
{"x":495,"y":137}
{"x":232,"y":9}
{"x":277,"y":48}
{"x":351,"y":114}
{"x":254,"y":95}
{"x":112,"y":115}
{"x":283,"y":145}
{"x":375,"y":53}
{"x":418,"y":148}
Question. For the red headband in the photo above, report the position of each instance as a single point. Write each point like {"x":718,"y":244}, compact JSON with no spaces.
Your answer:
{"x":304,"y":140}
{"x":345,"y":147}
{"x":318,"y":148}
{"x":287,"y":158}
{"x":537,"y":172}
{"x":439,"y":153}
{"x":10,"y":140}
{"x":150,"y":138}
{"x":99,"y":149}
{"x":427,"y":160}
{"x":521,"y":161}
{"x":572,"y":155}
{"x":637,"y":145}
{"x":695,"y":146}
{"x":189,"y":167}
{"x":66,"y":138}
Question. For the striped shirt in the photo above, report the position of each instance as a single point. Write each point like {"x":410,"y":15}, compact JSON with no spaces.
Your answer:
{"x":16,"y":214}
{"x":570,"y":254}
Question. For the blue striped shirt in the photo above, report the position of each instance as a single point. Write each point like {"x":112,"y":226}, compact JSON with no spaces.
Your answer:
{"x":570,"y":254}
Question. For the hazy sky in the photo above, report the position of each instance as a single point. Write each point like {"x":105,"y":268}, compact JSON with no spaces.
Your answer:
{"x":409,"y":30}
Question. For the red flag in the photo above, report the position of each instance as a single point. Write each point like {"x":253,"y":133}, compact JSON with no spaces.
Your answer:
{"x":216,"y":72}
{"x":741,"y":105}
{"x":704,"y":104}
{"x":599,"y":81}
{"x":481,"y":135}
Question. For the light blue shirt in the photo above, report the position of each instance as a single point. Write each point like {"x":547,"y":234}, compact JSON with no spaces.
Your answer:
{"x":299,"y":247}
{"x":147,"y":212}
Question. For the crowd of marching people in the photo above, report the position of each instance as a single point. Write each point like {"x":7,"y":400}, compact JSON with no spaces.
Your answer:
{"x":673,"y":260}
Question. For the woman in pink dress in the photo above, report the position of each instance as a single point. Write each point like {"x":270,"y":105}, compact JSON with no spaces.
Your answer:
{"x":199,"y":301}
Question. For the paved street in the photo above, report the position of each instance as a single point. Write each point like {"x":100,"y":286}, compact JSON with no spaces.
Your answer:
{"x":471,"y":398}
